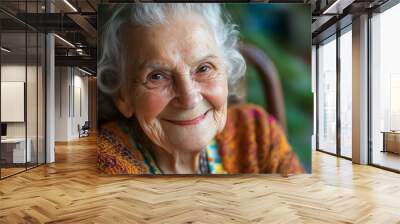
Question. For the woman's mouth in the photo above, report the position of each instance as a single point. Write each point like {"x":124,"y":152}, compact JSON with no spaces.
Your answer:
{"x":194,"y":121}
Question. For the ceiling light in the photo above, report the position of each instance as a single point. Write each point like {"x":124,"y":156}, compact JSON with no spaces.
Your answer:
{"x":70,"y":5}
{"x":64,"y":40}
{"x":84,"y":71}
{"x":337,"y":7}
{"x":5,"y":50}
{"x":326,"y":11}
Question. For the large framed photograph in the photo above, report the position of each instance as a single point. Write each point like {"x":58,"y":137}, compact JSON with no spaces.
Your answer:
{"x":204,"y":88}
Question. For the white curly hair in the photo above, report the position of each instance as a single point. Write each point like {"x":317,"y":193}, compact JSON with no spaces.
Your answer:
{"x":148,"y":14}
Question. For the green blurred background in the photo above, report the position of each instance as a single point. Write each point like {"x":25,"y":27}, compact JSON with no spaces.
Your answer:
{"x":283,"y":32}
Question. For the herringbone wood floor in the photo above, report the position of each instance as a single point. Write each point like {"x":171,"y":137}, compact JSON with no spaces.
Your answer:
{"x":70,"y":191}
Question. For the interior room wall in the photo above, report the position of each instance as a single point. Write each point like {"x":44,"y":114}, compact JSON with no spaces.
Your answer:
{"x":16,"y":72}
{"x":32,"y":127}
{"x":80,"y":109}
{"x":70,"y":84}
{"x":61,"y":103}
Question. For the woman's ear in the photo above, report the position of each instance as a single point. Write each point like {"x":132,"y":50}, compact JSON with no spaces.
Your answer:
{"x":123,"y":102}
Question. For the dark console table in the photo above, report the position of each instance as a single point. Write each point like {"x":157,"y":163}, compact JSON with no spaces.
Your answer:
{"x":391,"y":141}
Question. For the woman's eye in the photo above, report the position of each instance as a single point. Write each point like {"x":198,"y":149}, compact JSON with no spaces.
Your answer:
{"x":156,"y":80}
{"x":204,"y":69}
{"x":155,"y":77}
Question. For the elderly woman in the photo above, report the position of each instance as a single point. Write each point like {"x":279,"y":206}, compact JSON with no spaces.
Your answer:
{"x":168,"y":69}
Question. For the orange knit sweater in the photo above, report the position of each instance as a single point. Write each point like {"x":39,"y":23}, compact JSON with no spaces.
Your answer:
{"x":251,"y":142}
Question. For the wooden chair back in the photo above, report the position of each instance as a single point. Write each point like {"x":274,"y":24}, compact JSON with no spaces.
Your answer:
{"x":268,"y":74}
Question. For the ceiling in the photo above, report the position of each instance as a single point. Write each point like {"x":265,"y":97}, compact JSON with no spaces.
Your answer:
{"x":76,"y":25}
{"x":332,"y":15}
{"x":76,"y":22}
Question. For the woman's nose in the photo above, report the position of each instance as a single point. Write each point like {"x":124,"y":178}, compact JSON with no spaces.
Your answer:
{"x":187,"y":93}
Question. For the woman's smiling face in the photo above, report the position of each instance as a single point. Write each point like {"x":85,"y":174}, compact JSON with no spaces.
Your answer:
{"x":176,"y":83}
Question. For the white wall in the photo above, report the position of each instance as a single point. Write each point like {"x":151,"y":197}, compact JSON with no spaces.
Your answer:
{"x":33,"y":126}
{"x":80,"y":109}
{"x":12,"y":73}
{"x":71,"y":93}
{"x":61,"y":103}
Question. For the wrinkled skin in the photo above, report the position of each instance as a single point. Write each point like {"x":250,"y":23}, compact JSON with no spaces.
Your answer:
{"x":183,"y":49}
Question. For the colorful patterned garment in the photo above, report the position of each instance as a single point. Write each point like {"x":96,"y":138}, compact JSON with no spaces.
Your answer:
{"x":251,"y":142}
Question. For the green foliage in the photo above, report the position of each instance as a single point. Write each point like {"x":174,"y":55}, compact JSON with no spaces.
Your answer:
{"x":292,"y":63}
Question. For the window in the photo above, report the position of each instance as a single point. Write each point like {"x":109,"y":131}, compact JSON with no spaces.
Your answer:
{"x":330,"y":81}
{"x":327,"y":95}
{"x":385,"y":89}
{"x":346,"y":92}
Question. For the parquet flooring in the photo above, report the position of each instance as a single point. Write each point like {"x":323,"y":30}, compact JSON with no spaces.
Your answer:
{"x":70,"y":191}
{"x":387,"y":159}
{"x":9,"y":171}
